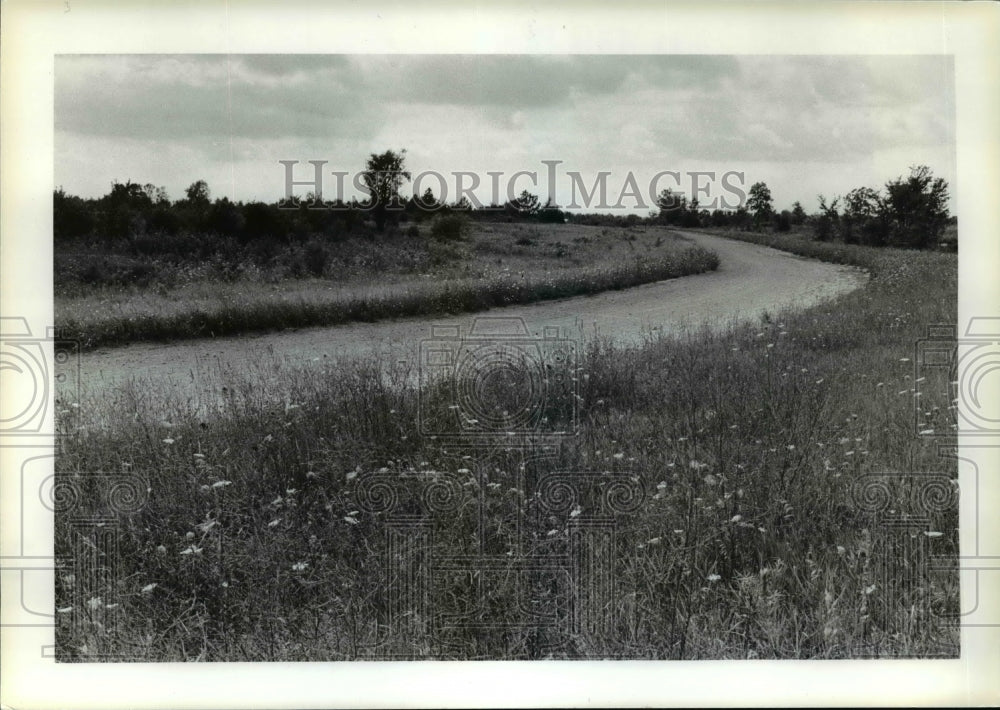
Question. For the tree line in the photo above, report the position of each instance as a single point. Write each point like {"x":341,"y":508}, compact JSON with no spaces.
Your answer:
{"x":907,"y":212}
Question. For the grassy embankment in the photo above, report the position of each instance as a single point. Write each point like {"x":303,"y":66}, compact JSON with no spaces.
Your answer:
{"x":752,"y":540}
{"x":113,"y":299}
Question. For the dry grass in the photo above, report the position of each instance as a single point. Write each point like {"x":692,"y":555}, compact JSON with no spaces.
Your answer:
{"x":500,"y":265}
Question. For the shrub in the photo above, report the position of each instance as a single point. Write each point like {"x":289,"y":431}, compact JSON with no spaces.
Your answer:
{"x":316,"y":258}
{"x":783,"y":221}
{"x":450,"y":228}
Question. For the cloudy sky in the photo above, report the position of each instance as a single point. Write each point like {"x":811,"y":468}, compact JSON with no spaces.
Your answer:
{"x":803,"y":125}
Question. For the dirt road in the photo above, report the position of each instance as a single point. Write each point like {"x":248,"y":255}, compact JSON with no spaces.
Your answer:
{"x":750,"y":280}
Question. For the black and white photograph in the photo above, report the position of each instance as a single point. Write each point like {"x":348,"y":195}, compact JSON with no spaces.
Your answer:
{"x":568,"y":353}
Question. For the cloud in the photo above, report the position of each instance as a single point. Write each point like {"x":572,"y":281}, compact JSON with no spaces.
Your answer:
{"x":120,"y":116}
{"x":197,"y":97}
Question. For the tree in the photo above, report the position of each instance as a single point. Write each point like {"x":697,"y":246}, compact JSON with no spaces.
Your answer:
{"x":158,"y":195}
{"x":526,"y":204}
{"x":916,"y":208}
{"x":124,"y":210}
{"x":864,"y":217}
{"x":198,"y":193}
{"x":828,"y":218}
{"x":427,"y":202}
{"x":71,"y":216}
{"x":798,"y":214}
{"x":673,"y":206}
{"x":760,"y":204}
{"x":383,"y":176}
{"x":551,"y":214}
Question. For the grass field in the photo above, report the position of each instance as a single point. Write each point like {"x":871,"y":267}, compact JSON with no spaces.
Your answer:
{"x":361,"y":280}
{"x":759,"y":532}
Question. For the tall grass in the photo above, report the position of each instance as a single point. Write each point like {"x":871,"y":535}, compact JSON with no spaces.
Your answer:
{"x":232,"y":310}
{"x":750,"y":541}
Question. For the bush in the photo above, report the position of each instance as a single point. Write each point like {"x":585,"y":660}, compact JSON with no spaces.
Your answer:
{"x":413,"y":231}
{"x":783,"y":221}
{"x":450,"y":228}
{"x":72,"y":216}
{"x":316,"y":258}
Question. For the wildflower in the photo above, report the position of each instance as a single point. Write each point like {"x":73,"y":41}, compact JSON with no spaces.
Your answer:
{"x":207,"y":525}
{"x":199,"y":456}
{"x":350,"y":519}
{"x":300,"y":566}
{"x":193,"y":550}
{"x":710,"y":480}
{"x":933,"y":533}
{"x":713,"y":578}
{"x":619,"y":456}
{"x":869,"y":590}
{"x":904,"y":359}
{"x":274,"y":523}
{"x":661,"y":485}
{"x":351,"y":475}
{"x":575,"y":512}
{"x":464,"y":470}
{"x":148,"y":588}
{"x":94,"y":603}
{"x":550,"y":533}
{"x":841,"y":549}
{"x":65,"y":610}
{"x":189,"y":535}
{"x":161,"y":549}
{"x":926,"y":431}
{"x":736,"y":518}
{"x":653,"y":541}
{"x":168,"y":441}
{"x":221,"y":484}
{"x":291,"y":491}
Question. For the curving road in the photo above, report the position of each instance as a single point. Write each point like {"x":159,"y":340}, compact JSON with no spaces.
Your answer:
{"x":749,"y":280}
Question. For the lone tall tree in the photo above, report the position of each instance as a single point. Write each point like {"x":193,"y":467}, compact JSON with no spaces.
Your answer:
{"x":383,"y":176}
{"x":759,"y":203}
